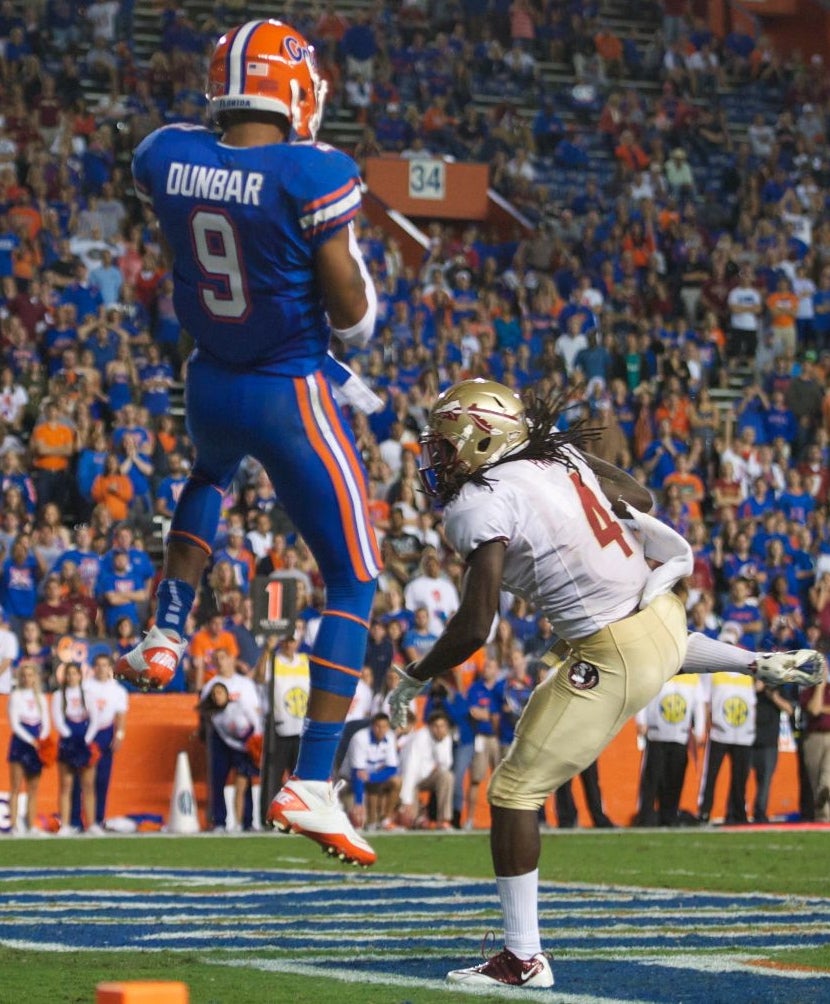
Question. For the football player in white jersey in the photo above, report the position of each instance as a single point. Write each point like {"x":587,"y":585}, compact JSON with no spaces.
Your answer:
{"x":530,"y":512}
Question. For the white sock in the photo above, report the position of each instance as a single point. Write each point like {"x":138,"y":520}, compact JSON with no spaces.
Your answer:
{"x":706,"y":655}
{"x":519,"y":895}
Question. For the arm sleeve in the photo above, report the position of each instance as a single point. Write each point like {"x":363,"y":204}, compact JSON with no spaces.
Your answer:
{"x":383,"y":774}
{"x":478,"y":519}
{"x":358,"y":786}
{"x":14,"y":720}
{"x":141,"y":169}
{"x":46,"y":726}
{"x":58,"y":716}
{"x":94,"y":725}
{"x":331,"y":199}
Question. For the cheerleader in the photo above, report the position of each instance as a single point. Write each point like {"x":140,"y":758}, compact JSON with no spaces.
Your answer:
{"x":77,"y":726}
{"x":29,"y":721}
{"x":234,"y":723}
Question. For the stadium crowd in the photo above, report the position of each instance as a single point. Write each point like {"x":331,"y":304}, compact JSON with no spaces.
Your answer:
{"x":675,"y":266}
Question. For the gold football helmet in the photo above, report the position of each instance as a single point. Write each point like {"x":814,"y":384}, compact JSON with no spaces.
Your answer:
{"x":470,"y":427}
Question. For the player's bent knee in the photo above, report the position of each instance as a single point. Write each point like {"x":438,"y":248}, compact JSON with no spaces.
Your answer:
{"x":510,"y":789}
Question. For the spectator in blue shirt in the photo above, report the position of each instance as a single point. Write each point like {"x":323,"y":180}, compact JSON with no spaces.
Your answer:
{"x":108,"y":279}
{"x":659,"y":456}
{"x":135,"y":444}
{"x":359,"y":46}
{"x":487,"y":753}
{"x":511,"y":695}
{"x":101,"y":340}
{"x":445,"y":695}
{"x":741,"y":562}
{"x":795,"y":501}
{"x":170,"y":487}
{"x":84,"y":297}
{"x":742,"y":610}
{"x":418,"y":640}
{"x":82,"y":556}
{"x":120,"y":591}
{"x":759,"y":502}
{"x":91,"y":463}
{"x":9,"y":243}
{"x":156,"y":378}
{"x":779,"y":420}
{"x":18,"y":584}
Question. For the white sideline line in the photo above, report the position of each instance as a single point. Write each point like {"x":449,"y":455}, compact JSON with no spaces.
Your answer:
{"x":351,"y":976}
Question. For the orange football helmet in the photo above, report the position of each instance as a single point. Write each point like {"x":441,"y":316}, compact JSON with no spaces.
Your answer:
{"x":269,"y":66}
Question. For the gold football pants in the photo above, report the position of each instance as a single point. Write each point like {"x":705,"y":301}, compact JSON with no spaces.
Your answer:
{"x":600,"y":682}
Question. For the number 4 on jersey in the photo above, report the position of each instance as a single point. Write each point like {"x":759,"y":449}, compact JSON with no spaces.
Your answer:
{"x":605,"y":528}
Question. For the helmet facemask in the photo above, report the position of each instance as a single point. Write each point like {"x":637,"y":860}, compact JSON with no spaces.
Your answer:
{"x":471,"y":427}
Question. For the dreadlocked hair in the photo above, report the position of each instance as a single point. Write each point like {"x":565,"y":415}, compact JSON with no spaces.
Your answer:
{"x":545,"y":443}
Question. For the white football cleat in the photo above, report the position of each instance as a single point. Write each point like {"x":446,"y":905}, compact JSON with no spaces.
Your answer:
{"x":803,"y":666}
{"x":151,"y":665}
{"x":313,"y":809}
{"x":507,"y":969}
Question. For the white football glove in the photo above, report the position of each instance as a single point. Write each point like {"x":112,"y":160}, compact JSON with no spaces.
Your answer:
{"x":401,"y":697}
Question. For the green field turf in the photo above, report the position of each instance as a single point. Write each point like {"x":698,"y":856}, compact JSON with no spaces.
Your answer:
{"x":779,"y":862}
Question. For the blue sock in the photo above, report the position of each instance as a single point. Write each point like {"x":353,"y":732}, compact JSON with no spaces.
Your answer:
{"x":175,"y":598}
{"x":318,"y":744}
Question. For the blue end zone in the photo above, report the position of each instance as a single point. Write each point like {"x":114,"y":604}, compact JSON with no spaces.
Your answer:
{"x":608,"y":943}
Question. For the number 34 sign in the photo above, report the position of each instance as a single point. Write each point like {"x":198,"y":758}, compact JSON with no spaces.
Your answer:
{"x":427,"y":179}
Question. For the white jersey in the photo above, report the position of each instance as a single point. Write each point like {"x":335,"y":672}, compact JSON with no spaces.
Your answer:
{"x":740,"y":298}
{"x":235,"y":723}
{"x":566,"y":552}
{"x":361,"y":706}
{"x":420,"y":756}
{"x":438,"y":595}
{"x":240,"y":688}
{"x":678,"y":707}
{"x":9,"y":651}
{"x":69,"y":707}
{"x":108,"y":698}
{"x":364,"y":752}
{"x":28,"y":708}
{"x":732,"y":699}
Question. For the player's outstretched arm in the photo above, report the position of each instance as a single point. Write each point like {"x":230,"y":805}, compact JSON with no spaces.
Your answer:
{"x":468,"y":628}
{"x":348,"y":291}
{"x":616,"y":484}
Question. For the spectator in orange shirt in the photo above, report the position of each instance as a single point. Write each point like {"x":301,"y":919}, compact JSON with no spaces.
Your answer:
{"x":630,"y":155}
{"x":52,"y":444}
{"x":113,"y":489}
{"x":677,"y":408}
{"x":690,"y":486}
{"x":331,"y":26}
{"x":203,"y":648}
{"x":610,"y":51}
{"x":639,"y":240}
{"x":26,"y":260}
{"x":23,"y":214}
{"x":437,"y":123}
{"x":783,"y":308}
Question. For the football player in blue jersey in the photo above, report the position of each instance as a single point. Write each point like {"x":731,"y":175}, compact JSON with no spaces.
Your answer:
{"x":258,"y":222}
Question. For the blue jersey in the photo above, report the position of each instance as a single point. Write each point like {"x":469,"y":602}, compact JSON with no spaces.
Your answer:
{"x":244,"y":224}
